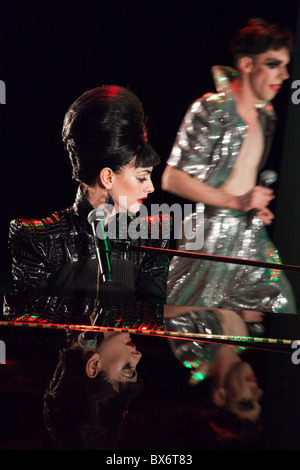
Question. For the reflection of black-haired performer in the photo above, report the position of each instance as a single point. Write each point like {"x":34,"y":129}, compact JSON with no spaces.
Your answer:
{"x":91,"y":390}
{"x":220,"y":148}
{"x":56,"y":270}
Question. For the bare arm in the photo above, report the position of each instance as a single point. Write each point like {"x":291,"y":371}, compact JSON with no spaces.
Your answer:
{"x":181,"y":184}
{"x":171,"y":311}
{"x":232,"y":322}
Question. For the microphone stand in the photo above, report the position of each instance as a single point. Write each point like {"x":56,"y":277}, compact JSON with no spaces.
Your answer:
{"x":103,"y":252}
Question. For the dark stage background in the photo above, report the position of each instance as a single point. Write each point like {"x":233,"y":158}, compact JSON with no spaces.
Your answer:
{"x":50,"y":52}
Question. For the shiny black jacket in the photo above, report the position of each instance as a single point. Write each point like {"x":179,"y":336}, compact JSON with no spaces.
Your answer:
{"x":55,"y":259}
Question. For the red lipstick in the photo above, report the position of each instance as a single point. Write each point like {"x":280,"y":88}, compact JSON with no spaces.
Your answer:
{"x":275,"y":88}
{"x":251,"y":378}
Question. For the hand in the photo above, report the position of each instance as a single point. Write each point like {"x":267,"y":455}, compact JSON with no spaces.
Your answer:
{"x":266,"y":215}
{"x":200,"y":373}
{"x":251,"y":316}
{"x":258,"y":198}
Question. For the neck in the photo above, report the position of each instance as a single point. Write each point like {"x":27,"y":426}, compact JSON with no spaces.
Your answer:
{"x":95,"y":195}
{"x":244,"y":98}
{"x":226,"y":358}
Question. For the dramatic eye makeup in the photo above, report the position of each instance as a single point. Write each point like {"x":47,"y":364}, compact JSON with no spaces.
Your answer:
{"x":245,"y":405}
{"x":142,"y":175}
{"x":273,"y":63}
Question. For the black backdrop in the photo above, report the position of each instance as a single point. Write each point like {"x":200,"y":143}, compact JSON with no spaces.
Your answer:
{"x":51,"y":51}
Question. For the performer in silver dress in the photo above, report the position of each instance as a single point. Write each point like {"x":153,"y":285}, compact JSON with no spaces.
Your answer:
{"x":220,"y":150}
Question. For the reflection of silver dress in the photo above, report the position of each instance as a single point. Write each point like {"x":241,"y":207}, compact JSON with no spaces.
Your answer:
{"x":193,"y":353}
{"x":206,"y":147}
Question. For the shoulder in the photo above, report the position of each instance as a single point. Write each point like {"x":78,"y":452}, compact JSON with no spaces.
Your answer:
{"x":215,"y":102}
{"x":156,"y":230}
{"x":24,"y":229}
{"x":208,"y":108}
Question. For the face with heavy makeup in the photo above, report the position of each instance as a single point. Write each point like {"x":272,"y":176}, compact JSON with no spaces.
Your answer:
{"x":242,"y":393}
{"x":117,"y":356}
{"x":129,"y":186}
{"x":265,"y":73}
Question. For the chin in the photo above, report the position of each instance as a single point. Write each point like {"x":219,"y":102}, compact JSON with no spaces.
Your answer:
{"x":134,"y":208}
{"x":269,"y":96}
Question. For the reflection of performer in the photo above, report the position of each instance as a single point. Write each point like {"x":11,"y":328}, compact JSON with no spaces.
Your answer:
{"x":221,"y":145}
{"x":105,"y":136}
{"x":88,"y":397}
{"x":234,"y":388}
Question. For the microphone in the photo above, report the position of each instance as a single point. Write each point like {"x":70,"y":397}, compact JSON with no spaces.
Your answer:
{"x":102,"y":246}
{"x":267,"y":178}
{"x":89,"y":339}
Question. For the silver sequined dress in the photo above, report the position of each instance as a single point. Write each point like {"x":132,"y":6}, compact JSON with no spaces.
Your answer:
{"x":206,"y":147}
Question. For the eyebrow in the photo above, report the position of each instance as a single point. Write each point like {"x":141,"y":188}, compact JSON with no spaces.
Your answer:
{"x":145,"y":171}
{"x":276,"y":60}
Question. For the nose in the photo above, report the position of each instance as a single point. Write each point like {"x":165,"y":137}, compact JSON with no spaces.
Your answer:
{"x":149,"y":188}
{"x":136,"y":353}
{"x":257,"y":393}
{"x":135,"y":358}
{"x":284,"y":73}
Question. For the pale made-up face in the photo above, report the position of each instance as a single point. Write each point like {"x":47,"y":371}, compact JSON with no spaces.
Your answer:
{"x":243,"y":392}
{"x":269,"y":70}
{"x":131,"y":186}
{"x":119,"y":357}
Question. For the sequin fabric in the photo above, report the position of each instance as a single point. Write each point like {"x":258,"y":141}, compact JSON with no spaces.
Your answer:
{"x":193,"y":353}
{"x":206,"y":147}
{"x":56,"y":258}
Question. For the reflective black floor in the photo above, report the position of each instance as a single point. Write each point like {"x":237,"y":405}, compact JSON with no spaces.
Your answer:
{"x":169,"y":414}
